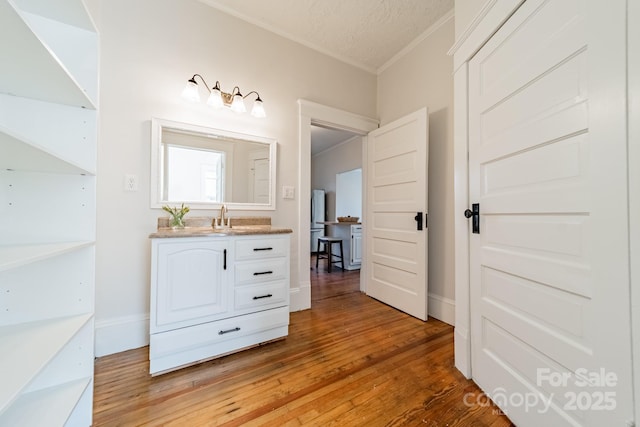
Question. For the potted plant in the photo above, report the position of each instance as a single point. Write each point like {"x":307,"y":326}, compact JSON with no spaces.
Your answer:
{"x":177,"y":215}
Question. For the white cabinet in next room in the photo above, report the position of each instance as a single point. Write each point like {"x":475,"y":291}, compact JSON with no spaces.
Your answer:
{"x":356,"y":244}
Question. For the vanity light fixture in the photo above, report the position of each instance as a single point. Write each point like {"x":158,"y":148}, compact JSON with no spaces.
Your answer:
{"x":218,"y":98}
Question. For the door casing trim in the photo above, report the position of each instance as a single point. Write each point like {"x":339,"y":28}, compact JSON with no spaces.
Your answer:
{"x":494,"y":16}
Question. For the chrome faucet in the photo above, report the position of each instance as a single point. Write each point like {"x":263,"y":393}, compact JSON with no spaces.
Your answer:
{"x":223,"y":210}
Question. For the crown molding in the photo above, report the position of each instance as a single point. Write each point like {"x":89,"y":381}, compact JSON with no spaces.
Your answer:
{"x":472,"y":26}
{"x":411,"y":46}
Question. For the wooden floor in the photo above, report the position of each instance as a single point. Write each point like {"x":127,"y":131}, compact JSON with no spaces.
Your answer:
{"x":349,"y":361}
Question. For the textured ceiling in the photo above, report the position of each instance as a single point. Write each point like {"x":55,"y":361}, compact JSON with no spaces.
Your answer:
{"x":365,"y":33}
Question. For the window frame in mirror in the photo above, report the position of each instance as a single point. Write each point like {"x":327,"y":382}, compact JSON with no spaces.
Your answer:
{"x":157,"y":126}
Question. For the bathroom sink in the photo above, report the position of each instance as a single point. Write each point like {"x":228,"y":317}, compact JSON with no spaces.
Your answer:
{"x":221,"y":231}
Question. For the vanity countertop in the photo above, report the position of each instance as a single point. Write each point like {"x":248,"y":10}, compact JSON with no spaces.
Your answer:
{"x":210,"y":231}
{"x":201,"y":226}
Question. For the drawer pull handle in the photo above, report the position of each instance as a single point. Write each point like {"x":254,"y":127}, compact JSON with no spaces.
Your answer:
{"x":262,"y":249}
{"x":263,"y":296}
{"x":236,"y":329}
{"x":260,"y":273}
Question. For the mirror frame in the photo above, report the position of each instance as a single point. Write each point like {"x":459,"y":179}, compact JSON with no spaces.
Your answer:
{"x":157,"y":125}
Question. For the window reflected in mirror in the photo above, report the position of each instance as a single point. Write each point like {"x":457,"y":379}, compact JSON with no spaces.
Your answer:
{"x":184,"y":182}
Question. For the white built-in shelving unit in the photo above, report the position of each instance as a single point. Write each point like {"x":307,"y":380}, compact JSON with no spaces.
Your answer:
{"x":48,"y":133}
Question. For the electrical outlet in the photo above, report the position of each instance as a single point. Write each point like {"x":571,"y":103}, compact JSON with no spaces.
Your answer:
{"x":131,"y":182}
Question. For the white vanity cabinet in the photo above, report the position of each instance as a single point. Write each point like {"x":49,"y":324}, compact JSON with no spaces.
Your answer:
{"x":214,"y":295}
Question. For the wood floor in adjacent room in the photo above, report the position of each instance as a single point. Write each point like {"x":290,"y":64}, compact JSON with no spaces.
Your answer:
{"x":349,"y":361}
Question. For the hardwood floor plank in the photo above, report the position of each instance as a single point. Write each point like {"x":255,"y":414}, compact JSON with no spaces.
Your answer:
{"x":350,"y":360}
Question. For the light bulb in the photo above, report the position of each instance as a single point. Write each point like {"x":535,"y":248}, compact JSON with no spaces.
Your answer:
{"x":237,"y":104}
{"x":215,"y":98}
{"x":190,"y":91}
{"x":258,"y":109}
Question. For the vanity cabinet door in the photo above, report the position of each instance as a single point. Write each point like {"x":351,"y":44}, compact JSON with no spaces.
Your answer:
{"x":192,"y":283}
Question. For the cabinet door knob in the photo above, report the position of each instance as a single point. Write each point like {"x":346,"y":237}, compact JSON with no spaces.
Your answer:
{"x":236,"y":329}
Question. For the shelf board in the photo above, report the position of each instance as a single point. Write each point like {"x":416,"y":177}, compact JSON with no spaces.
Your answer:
{"x":71,"y":12}
{"x":18,"y":255}
{"x":48,"y":407}
{"x":18,"y":154}
{"x":46,"y":137}
{"x":39,"y":73}
{"x":26,"y":348}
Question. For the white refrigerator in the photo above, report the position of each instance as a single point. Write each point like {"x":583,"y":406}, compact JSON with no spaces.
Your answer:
{"x":317,"y":215}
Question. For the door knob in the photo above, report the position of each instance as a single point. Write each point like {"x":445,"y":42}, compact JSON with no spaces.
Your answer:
{"x":418,"y":219}
{"x":474,"y":213}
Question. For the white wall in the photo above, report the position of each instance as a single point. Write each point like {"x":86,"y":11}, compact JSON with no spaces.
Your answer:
{"x":424,"y":77}
{"x":326,"y":164}
{"x":149,"y":49}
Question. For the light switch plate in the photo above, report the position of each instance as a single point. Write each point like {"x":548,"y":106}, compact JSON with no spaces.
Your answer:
{"x":288,"y":192}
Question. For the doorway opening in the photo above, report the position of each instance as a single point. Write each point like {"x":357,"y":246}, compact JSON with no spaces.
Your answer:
{"x":313,"y":114}
{"x":336,"y":194}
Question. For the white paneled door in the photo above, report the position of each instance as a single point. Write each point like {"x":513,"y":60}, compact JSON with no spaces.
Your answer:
{"x":396,"y":238}
{"x":549,"y":266}
{"x":259,"y":185}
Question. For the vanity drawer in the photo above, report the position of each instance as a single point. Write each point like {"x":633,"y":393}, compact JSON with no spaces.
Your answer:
{"x":181,"y":347}
{"x":261,"y":271}
{"x":261,"y":296}
{"x":261,"y":248}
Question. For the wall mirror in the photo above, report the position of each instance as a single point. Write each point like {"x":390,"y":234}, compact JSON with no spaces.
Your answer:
{"x":205,"y":167}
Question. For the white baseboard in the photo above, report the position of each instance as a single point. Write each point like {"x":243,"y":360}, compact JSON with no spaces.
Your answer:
{"x":121,"y":334}
{"x":300,"y":298}
{"x":442,"y":308}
